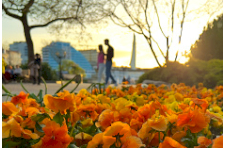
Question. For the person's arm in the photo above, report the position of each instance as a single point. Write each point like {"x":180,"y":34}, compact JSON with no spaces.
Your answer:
{"x":110,"y":53}
{"x":98,"y":61}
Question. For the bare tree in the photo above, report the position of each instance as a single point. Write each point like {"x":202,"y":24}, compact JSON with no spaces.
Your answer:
{"x":144,"y":17}
{"x":41,"y":13}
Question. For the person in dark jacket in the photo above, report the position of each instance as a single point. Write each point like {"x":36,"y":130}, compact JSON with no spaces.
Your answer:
{"x":109,"y":56}
{"x":37,"y":61}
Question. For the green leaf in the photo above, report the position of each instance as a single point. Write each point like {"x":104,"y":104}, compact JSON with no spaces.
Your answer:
{"x":34,"y":141}
{"x":83,"y":146}
{"x":75,"y":88}
{"x":4,"y":116}
{"x":40,"y":95}
{"x":34,"y":97}
{"x":61,"y":88}
{"x":7,"y":94}
{"x":8,"y":143}
{"x":58,"y":118}
{"x":72,"y":146}
{"x":92,"y":130}
{"x":44,"y":84}
{"x":23,"y":87}
{"x":3,"y":87}
{"x":40,"y":117}
{"x":38,"y":127}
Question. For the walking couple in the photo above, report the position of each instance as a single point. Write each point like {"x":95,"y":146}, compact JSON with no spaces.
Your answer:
{"x":100,"y":64}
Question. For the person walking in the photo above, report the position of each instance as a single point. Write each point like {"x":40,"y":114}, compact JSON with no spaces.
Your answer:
{"x":33,"y":71}
{"x":100,"y":63}
{"x":38,"y":62}
{"x":109,"y":56}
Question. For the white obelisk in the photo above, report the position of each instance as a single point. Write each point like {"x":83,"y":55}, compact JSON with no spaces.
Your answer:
{"x":133,"y":56}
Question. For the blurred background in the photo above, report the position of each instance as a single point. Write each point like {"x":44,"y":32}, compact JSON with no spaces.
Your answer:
{"x":174,"y":41}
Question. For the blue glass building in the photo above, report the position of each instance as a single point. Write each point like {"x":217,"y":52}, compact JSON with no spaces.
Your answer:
{"x":49,"y":56}
{"x":22,"y":48}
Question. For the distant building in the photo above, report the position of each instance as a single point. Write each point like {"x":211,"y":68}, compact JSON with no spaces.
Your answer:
{"x":20,"y":47}
{"x":91,"y":55}
{"x":133,"y":56}
{"x":133,"y":72}
{"x":49,"y":56}
{"x":12,"y":57}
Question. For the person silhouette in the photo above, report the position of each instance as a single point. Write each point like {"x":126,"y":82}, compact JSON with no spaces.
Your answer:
{"x":109,"y":56}
{"x":37,"y":61}
{"x":100,"y":63}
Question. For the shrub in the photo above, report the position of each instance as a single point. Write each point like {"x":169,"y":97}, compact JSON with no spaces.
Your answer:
{"x":47,"y":73}
{"x":194,"y":72}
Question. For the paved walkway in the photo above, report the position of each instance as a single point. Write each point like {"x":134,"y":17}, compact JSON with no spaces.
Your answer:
{"x":16,"y":88}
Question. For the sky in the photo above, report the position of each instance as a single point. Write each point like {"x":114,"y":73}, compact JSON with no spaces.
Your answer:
{"x":120,"y":38}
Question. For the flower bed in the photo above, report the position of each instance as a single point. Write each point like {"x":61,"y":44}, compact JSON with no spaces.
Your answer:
{"x":178,"y":116}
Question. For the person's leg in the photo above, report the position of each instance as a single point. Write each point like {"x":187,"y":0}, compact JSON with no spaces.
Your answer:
{"x":100,"y":71}
{"x":107,"y":72}
{"x":39,"y":76}
{"x":110,"y":75}
{"x":34,"y":79}
{"x":99,"y":74}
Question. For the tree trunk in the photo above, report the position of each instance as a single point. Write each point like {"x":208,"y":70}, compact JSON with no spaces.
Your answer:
{"x":28,"y":38}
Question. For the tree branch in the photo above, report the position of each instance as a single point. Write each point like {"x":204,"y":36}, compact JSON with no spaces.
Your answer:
{"x":182,"y":25}
{"x":10,"y":14}
{"x":55,"y":20}
{"x":27,"y":7}
{"x":156,"y":11}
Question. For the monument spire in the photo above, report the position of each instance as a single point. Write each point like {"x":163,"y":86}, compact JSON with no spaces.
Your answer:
{"x":133,"y":56}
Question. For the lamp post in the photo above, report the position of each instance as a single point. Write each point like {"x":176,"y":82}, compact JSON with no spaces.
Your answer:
{"x":60,"y":63}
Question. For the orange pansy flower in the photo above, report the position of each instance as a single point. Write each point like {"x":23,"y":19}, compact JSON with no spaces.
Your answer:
{"x":170,"y":143}
{"x":21,"y":98}
{"x":144,"y":133}
{"x":117,"y":133}
{"x":201,"y":102}
{"x":96,"y":141}
{"x":74,"y":117}
{"x":87,"y":111}
{"x":179,"y":135}
{"x":9,"y":108}
{"x":11,"y":128}
{"x":55,"y":136}
{"x":194,"y":119}
{"x":32,"y":103}
{"x":105,"y":119}
{"x":28,"y":122}
{"x":64,"y":101}
{"x":27,"y":134}
{"x":218,"y":142}
{"x":133,"y":142}
{"x":31,"y":111}
{"x":158,"y":123}
{"x":203,"y":142}
{"x":82,"y":138}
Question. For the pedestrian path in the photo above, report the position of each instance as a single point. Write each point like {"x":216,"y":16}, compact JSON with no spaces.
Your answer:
{"x":16,"y":88}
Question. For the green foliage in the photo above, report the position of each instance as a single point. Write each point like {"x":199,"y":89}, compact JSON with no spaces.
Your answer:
{"x":58,"y":118}
{"x":47,"y":73}
{"x":210,"y":44}
{"x":24,"y":66}
{"x":214,"y":74}
{"x":71,"y":67}
{"x":210,"y":73}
